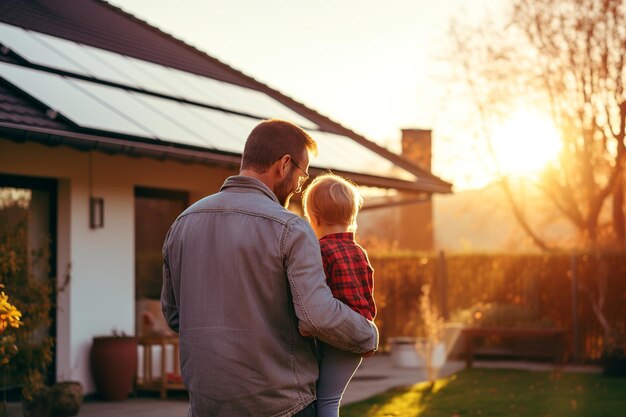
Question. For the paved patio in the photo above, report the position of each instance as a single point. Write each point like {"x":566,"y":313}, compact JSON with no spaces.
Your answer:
{"x":376,"y":375}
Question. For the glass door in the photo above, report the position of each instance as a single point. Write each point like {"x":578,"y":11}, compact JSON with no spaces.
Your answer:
{"x":155,"y":211}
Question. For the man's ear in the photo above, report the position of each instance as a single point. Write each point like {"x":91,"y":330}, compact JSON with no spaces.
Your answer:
{"x":281,"y":165}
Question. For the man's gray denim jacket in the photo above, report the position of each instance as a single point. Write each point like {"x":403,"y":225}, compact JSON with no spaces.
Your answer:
{"x":240,"y":273}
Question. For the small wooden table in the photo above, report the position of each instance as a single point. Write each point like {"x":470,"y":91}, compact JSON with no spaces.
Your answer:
{"x":471,"y":333}
{"x":165,"y":381}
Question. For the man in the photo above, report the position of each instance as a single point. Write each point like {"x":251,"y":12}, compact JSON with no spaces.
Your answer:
{"x":241,"y":273}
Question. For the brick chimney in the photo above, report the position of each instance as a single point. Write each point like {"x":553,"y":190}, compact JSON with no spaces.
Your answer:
{"x":417,"y":147}
{"x":410,"y":225}
{"x":416,"y":220}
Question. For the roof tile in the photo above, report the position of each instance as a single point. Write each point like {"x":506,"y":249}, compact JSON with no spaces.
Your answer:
{"x":17,"y":109}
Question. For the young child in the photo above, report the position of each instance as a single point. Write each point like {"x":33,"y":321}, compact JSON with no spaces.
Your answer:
{"x":331,"y":204}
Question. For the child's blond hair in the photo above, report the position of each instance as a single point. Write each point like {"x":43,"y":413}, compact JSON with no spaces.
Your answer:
{"x":333,"y":199}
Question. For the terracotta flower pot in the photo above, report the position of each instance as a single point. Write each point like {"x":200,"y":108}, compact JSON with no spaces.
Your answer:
{"x":113,"y":366}
{"x":403,"y":353}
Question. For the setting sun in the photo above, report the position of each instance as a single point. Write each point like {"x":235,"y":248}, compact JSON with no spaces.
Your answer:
{"x":525,"y":143}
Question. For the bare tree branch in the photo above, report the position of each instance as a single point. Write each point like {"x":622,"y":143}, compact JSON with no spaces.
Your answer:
{"x":570,"y":57}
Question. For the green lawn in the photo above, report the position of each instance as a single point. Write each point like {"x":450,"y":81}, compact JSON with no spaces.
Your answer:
{"x":498,"y":392}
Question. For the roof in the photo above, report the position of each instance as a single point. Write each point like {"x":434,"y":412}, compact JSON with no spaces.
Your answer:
{"x":89,"y":23}
{"x":18,"y":110}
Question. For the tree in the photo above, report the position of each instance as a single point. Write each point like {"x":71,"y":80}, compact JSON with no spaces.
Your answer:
{"x":568,"y":58}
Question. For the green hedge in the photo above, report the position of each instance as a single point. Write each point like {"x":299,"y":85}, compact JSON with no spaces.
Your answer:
{"x":542,"y":284}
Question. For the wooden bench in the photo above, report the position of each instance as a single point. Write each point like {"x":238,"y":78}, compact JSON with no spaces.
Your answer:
{"x":472,"y":333}
{"x":165,"y":380}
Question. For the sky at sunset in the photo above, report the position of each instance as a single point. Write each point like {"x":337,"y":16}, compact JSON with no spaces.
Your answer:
{"x":375,"y":67}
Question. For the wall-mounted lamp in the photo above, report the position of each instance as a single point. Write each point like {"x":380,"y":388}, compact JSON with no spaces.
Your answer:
{"x":96,"y":212}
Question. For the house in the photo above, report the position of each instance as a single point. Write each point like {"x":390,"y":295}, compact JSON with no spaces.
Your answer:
{"x":109,"y":128}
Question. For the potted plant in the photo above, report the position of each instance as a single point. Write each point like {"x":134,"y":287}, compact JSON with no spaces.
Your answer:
{"x":113,"y":362}
{"x":429,"y":348}
{"x":430,"y":344}
{"x":65,"y":398}
{"x":62,"y":399}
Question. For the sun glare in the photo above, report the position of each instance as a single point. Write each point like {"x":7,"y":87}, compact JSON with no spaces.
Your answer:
{"x":525,"y":143}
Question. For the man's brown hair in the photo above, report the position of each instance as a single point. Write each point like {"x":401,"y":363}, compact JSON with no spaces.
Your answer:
{"x":272,"y":139}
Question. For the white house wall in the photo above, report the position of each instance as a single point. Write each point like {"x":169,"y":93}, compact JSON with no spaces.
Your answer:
{"x":100,"y":297}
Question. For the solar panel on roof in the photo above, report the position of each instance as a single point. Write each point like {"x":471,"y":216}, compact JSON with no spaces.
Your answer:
{"x":327,"y":154}
{"x":224,"y":95}
{"x":273,"y":108}
{"x":367,"y":161}
{"x":131,"y":72}
{"x":115,"y":109}
{"x":139,"y":78}
{"x":60,"y":95}
{"x":160,"y":78}
{"x":343,"y":153}
{"x":236,"y":127}
{"x":183,"y":115}
{"x":26,"y":45}
{"x":161,"y":124}
{"x":94,"y":66}
{"x":190,"y":87}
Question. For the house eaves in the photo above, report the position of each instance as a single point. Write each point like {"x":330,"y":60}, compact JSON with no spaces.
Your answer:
{"x":169,"y":152}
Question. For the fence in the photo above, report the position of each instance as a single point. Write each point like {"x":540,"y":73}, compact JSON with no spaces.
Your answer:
{"x":558,"y":287}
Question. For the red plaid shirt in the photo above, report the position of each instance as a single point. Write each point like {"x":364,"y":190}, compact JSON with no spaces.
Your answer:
{"x":349,"y":273}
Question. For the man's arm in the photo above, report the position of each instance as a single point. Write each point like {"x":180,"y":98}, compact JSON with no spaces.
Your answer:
{"x":320,"y":314}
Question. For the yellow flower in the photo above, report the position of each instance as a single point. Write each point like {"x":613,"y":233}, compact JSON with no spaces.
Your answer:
{"x":9,"y":314}
{"x":14,"y":318}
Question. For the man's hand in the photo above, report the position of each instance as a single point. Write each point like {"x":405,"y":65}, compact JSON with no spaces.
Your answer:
{"x":304,"y":330}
